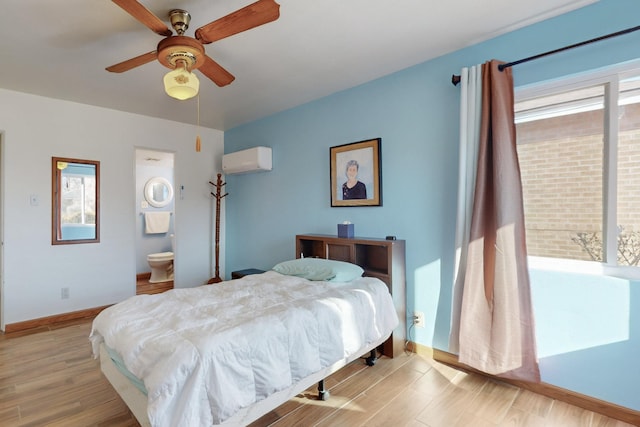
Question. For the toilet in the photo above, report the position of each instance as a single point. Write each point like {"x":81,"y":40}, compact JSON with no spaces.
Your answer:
{"x":161,"y":264}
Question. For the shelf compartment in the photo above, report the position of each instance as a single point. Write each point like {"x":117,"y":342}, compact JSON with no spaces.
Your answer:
{"x":373,"y":258}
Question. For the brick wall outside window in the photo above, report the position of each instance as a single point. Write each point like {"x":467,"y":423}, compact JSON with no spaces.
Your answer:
{"x":561,"y":162}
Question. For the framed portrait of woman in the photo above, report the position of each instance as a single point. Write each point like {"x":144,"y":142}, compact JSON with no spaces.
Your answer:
{"x":356,"y":175}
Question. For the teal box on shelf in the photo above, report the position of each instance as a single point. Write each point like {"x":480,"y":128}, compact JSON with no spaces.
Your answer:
{"x":345,"y":230}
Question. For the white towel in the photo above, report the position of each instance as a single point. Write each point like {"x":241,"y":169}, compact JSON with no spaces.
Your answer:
{"x":156,"y":222}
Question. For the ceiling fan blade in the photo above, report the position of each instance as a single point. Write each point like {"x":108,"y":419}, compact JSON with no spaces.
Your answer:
{"x":145,"y":16}
{"x":254,"y":15}
{"x":133,"y":62}
{"x":215,"y":72}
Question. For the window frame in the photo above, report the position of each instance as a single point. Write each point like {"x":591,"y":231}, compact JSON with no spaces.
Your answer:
{"x":56,"y":202}
{"x":610,"y":78}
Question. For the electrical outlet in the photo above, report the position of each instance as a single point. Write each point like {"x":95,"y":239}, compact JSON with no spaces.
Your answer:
{"x":418,"y":319}
{"x":64,"y":293}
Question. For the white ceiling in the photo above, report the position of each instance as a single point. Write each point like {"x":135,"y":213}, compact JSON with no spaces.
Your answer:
{"x":60,"y":49}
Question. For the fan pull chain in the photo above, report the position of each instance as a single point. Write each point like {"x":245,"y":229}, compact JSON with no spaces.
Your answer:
{"x":198,"y":143}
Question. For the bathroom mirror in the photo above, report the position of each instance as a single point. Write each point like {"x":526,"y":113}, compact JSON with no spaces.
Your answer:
{"x":75,"y":201}
{"x":158,"y":192}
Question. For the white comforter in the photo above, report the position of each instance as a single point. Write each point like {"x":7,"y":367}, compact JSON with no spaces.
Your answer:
{"x":204,"y":353}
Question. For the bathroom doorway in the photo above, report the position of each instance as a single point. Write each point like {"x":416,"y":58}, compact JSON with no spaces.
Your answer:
{"x":155,"y":220}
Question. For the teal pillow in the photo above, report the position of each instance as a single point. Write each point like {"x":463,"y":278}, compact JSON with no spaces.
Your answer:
{"x":320,"y":269}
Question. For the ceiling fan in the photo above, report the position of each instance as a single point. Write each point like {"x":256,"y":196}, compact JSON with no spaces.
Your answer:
{"x":180,"y":51}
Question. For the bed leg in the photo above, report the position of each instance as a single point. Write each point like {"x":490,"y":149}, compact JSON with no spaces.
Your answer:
{"x":323,"y":394}
{"x":371,"y":360}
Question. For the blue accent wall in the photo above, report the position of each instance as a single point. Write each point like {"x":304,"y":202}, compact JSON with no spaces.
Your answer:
{"x":587,"y":325}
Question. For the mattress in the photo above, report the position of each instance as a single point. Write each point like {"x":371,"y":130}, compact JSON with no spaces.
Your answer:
{"x":206,"y":353}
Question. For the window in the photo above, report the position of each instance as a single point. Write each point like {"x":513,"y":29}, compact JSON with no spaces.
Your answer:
{"x":75,"y":195}
{"x":579,"y":152}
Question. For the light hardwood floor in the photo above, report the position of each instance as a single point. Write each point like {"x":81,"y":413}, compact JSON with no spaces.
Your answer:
{"x":144,"y":287}
{"x":48,"y":377}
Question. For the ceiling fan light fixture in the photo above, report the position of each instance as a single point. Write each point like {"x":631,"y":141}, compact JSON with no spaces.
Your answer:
{"x":181,"y":84}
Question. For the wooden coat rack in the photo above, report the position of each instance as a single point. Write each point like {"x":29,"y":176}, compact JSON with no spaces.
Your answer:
{"x":218,"y":195}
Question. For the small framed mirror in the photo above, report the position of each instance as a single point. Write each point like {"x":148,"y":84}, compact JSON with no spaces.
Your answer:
{"x":75,"y":196}
{"x":158,"y":192}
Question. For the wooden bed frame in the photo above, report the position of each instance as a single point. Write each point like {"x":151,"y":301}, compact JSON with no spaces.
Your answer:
{"x":137,"y":401}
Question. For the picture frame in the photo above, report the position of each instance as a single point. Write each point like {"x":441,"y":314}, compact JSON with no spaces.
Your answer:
{"x":356,"y":174}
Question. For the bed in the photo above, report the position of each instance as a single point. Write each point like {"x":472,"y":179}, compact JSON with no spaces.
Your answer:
{"x":228,"y":353}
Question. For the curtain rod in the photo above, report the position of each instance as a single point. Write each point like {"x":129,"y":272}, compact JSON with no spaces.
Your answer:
{"x":455,"y":79}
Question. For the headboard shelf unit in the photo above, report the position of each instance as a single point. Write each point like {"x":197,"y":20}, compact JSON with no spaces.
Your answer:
{"x":380,"y":258}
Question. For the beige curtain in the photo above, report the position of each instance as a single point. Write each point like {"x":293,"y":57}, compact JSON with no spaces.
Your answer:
{"x":496,"y":316}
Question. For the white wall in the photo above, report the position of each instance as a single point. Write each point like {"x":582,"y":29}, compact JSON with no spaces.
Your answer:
{"x":34,"y":129}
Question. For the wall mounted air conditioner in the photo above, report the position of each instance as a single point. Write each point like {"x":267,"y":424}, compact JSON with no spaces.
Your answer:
{"x":256,"y":159}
